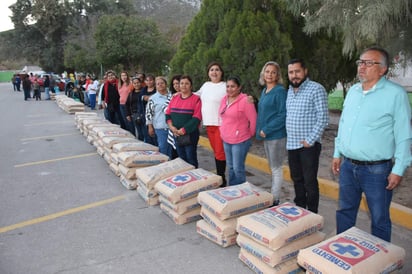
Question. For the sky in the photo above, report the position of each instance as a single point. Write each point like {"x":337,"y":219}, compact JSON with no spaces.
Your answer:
{"x":5,"y":13}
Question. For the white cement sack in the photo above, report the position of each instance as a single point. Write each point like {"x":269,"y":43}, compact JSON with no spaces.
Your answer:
{"x":107,"y":158}
{"x":280,"y":225}
{"x":151,"y":201}
{"x":181,"y":219}
{"x":204,"y":229}
{"x":182,"y":206}
{"x":115,"y":169}
{"x":224,"y":227}
{"x":141,"y":158}
{"x":188,"y":184}
{"x":283,"y":254}
{"x":119,"y":132}
{"x":94,"y":131}
{"x":113,"y":158}
{"x":110,"y":141}
{"x":258,"y":266}
{"x":150,"y":193}
{"x":233,"y":201}
{"x":100,"y":151}
{"x":133,"y":146}
{"x":149,"y":176}
{"x":128,"y":172}
{"x":128,"y":183}
{"x":353,"y":251}
{"x":90,"y":139}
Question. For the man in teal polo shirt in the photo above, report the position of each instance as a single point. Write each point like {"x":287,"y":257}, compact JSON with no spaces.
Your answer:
{"x":372,"y":149}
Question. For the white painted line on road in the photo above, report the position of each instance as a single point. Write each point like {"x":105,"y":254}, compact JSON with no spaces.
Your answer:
{"x":60,"y":214}
{"x":56,"y":160}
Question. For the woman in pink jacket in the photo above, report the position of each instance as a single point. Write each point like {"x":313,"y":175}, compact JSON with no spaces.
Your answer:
{"x":237,"y":129}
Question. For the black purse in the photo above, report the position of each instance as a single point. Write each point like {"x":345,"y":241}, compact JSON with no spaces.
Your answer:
{"x":183,"y":140}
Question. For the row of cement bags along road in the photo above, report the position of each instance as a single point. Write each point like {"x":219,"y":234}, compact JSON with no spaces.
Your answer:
{"x":279,"y":239}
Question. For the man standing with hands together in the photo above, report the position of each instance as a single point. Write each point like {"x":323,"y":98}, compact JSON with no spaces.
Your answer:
{"x":372,"y":149}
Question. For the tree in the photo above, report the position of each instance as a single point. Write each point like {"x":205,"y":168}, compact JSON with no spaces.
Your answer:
{"x":131,"y":42}
{"x":359,"y":22}
{"x":243,"y":35}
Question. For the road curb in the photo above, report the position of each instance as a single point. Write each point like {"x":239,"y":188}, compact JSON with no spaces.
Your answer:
{"x":400,"y":215}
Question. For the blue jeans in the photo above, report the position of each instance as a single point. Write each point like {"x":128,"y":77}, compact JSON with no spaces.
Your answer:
{"x":304,"y":165}
{"x":164,"y":146}
{"x":128,"y":125}
{"x":47,"y":93}
{"x":189,"y":152}
{"x":92,"y":99}
{"x":235,"y":160}
{"x":371,"y":180}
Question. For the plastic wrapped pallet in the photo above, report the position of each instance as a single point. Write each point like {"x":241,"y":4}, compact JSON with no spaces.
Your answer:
{"x":128,"y":172}
{"x":353,"y":251}
{"x":283,"y":254}
{"x":260,"y":267}
{"x":233,"y":201}
{"x":224,"y":227}
{"x":149,"y":176}
{"x":180,"y":219}
{"x":181,"y":207}
{"x":187,"y":184}
{"x":204,"y":229}
{"x":151,"y":201}
{"x":133,"y":146}
{"x":280,"y":225}
{"x":128,"y":183}
{"x":141,"y":158}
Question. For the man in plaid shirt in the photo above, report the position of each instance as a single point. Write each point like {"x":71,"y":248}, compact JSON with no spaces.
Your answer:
{"x":306,"y":119}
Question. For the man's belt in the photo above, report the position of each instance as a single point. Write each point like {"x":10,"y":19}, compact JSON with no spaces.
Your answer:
{"x":367,"y":163}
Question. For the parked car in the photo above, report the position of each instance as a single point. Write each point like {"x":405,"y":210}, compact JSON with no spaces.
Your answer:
{"x":59,"y":81}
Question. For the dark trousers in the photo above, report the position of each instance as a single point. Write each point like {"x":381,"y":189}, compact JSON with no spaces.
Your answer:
{"x":304,"y":165}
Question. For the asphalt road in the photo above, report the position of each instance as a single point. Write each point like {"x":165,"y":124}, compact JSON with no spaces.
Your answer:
{"x":63,"y":211}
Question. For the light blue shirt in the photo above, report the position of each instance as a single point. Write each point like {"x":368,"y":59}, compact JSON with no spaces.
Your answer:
{"x":307,"y":114}
{"x":376,"y":125}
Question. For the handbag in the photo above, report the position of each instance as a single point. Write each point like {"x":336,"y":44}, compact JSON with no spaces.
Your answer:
{"x":138,"y":119}
{"x":183,"y":140}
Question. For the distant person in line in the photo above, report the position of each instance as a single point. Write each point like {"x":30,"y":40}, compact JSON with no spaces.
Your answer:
{"x":271,"y":123}
{"x":125,"y":87}
{"x":237,"y":129}
{"x":134,"y":109}
{"x":211,"y":93}
{"x":183,"y":116}
{"x":110,"y":98}
{"x":36,"y":89}
{"x":92,"y":90}
{"x":174,"y":88}
{"x":306,"y":118}
{"x":46,"y":85}
{"x":26,"y":87}
{"x":372,"y":148}
{"x":148,"y":90}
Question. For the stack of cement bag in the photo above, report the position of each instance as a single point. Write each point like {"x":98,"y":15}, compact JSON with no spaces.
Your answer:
{"x":178,"y":193}
{"x":353,"y":251}
{"x":220,"y":209}
{"x":147,"y":177}
{"x":270,"y":239}
{"x":68,"y":104}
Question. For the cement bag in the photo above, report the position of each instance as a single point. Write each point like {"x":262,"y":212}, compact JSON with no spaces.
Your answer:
{"x":115,"y":169}
{"x":353,"y":251}
{"x":149,"y":193}
{"x":128,"y":172}
{"x":133,"y":146}
{"x":181,"y":207}
{"x":204,"y":229}
{"x":151,"y":201}
{"x":109,"y":141}
{"x":107,"y":158}
{"x":141,"y":158}
{"x":90,"y":139}
{"x":128,"y":183}
{"x":188,"y":184}
{"x":100,"y":151}
{"x":113,"y":158}
{"x":181,"y":219}
{"x":233,"y":201}
{"x":149,"y":176}
{"x":94,"y":131}
{"x":119,"y":132}
{"x":260,"y":267}
{"x":283,"y":254}
{"x":280,"y":225}
{"x":225,"y":228}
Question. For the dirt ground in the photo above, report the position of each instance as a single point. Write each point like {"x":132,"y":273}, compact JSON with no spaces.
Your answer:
{"x":401,"y":194}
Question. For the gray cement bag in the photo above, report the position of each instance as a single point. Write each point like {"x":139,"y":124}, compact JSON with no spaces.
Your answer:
{"x":204,"y":229}
{"x":181,"y":207}
{"x":141,"y":158}
{"x":151,"y":201}
{"x":181,"y":219}
{"x":128,"y":183}
{"x":280,"y":225}
{"x":133,"y":146}
{"x":223,"y":227}
{"x":233,"y":201}
{"x":353,"y":251}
